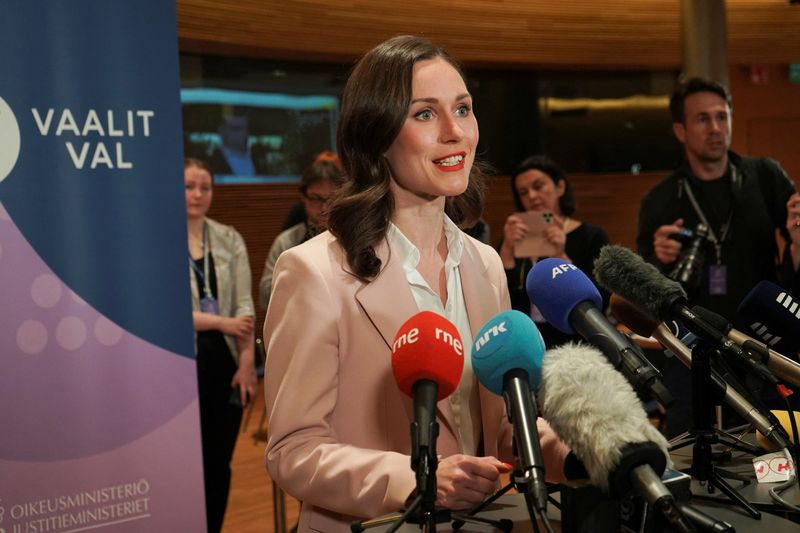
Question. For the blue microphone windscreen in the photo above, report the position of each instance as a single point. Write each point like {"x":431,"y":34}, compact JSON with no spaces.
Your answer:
{"x":556,"y":287}
{"x":509,"y":340}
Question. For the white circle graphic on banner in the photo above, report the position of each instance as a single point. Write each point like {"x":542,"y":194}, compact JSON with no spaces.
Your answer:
{"x":9,"y":132}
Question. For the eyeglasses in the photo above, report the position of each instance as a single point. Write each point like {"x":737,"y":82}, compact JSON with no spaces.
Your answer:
{"x":317,"y":201}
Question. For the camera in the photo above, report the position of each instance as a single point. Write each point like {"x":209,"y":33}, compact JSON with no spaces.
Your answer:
{"x":689,"y":269}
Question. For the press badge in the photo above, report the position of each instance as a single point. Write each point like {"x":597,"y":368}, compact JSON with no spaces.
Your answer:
{"x":718,"y":280}
{"x":209,"y":304}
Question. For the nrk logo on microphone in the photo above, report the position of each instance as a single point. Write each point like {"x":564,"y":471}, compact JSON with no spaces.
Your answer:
{"x":491,"y":331}
{"x":91,"y":138}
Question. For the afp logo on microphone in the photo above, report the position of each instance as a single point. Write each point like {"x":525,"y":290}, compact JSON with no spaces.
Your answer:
{"x":562,"y":268}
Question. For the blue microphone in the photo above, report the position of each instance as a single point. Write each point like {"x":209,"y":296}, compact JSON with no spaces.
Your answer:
{"x":774,"y":315}
{"x":507,"y":359}
{"x":568,"y":299}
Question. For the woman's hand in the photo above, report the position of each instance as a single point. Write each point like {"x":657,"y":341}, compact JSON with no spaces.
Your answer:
{"x":245,"y":377}
{"x":464,"y":481}
{"x":513,"y":230}
{"x":236,"y":326}
{"x":667,"y":250}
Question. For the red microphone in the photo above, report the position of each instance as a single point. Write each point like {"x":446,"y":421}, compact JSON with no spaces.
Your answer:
{"x":428,"y":347}
{"x":427,"y":360}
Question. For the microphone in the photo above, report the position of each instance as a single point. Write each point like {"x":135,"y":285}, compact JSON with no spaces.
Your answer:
{"x":596,"y":412}
{"x":427,"y":361}
{"x":639,"y":323}
{"x":782,"y":366}
{"x":505,"y":358}
{"x":569,"y":300}
{"x":774,"y":315}
{"x":621,"y":271}
{"x":705,"y":522}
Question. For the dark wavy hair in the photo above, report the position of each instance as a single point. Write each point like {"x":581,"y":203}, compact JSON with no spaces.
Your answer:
{"x":542,"y":163}
{"x":375,"y":103}
{"x":692,"y":86}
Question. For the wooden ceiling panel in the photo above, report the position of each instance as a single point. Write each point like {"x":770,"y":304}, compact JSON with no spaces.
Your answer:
{"x":573,"y":33}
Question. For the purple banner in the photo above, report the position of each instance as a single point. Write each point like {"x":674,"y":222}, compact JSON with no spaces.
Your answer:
{"x":99,"y":423}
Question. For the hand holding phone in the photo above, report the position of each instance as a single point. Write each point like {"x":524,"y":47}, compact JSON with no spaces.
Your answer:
{"x":535,"y":243}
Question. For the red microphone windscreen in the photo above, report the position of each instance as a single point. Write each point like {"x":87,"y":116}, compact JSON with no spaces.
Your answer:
{"x":428,"y":346}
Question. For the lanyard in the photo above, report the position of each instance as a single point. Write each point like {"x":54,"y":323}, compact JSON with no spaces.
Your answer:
{"x":204,"y":274}
{"x":712,"y":237}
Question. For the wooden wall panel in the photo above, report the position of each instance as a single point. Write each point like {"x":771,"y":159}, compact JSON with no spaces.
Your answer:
{"x":570,"y":33}
{"x":766,"y":116}
{"x":258,"y":211}
{"x":612,"y":202}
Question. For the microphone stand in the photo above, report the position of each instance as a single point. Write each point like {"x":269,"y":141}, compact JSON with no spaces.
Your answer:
{"x":423,"y":511}
{"x":720,"y":388}
{"x":519,"y":481}
{"x":705,"y":435}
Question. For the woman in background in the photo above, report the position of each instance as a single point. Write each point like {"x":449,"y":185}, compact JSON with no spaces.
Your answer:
{"x":222,"y":314}
{"x":539,"y":184}
{"x":320,"y":180}
{"x":338,"y":424}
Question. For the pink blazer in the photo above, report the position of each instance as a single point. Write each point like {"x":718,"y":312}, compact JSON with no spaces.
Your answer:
{"x":338,"y":425}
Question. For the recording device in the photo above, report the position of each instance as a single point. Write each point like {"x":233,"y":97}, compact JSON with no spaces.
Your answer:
{"x":774,"y":316}
{"x":639,"y":323}
{"x":570,"y":302}
{"x":427,"y":361}
{"x":689,"y":269}
{"x":621,"y":271}
{"x":582,"y":396}
{"x":505,"y":356}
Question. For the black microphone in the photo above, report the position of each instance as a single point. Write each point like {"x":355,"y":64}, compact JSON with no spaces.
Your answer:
{"x":639,"y":323}
{"x":774,"y":316}
{"x":780,"y":365}
{"x":569,"y":301}
{"x":621,"y":271}
{"x":596,"y":413}
{"x":705,"y":522}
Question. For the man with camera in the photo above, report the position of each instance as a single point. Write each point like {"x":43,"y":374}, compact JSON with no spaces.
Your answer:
{"x":736,"y":202}
{"x":740,"y":200}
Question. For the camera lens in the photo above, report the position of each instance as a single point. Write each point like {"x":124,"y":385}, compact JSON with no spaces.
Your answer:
{"x":684,"y":236}
{"x":689,"y":269}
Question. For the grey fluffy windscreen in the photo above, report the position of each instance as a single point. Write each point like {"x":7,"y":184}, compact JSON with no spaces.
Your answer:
{"x":593,"y":408}
{"x":619,"y":270}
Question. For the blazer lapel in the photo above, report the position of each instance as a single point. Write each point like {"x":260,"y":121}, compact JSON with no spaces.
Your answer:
{"x":388,"y":302}
{"x":482,"y":304}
